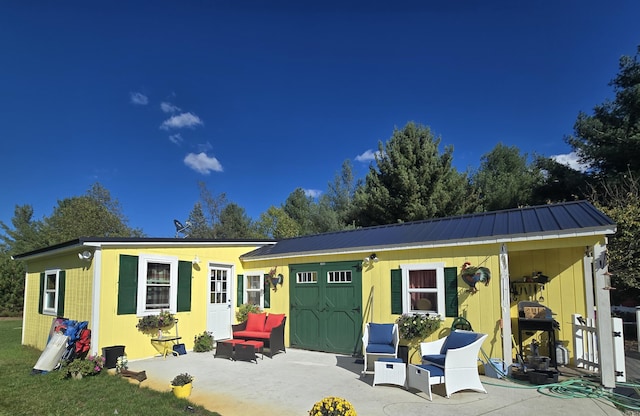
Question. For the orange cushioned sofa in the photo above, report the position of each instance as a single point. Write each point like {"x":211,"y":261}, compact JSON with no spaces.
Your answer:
{"x":262,"y":327}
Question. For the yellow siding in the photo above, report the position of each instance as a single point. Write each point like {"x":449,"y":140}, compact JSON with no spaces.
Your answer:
{"x":79,"y":284}
{"x":121,"y":329}
{"x":560,"y":259}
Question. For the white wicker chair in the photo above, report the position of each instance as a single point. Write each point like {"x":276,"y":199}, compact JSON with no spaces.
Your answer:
{"x":378,"y":341}
{"x":457,"y":356}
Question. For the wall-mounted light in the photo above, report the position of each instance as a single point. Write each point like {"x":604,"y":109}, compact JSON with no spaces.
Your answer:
{"x":369,"y":259}
{"x":196,"y":260}
{"x":85,"y":255}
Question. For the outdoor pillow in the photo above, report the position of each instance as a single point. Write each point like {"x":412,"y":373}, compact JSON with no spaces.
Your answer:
{"x":255,"y":321}
{"x":380,"y":333}
{"x":273,"y":320}
{"x":458,"y":339}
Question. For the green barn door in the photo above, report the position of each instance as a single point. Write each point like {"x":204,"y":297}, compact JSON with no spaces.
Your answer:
{"x":304,"y":292}
{"x":326,"y":306}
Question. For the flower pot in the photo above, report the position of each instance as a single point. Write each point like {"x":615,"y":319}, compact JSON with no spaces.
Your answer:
{"x":182,"y":392}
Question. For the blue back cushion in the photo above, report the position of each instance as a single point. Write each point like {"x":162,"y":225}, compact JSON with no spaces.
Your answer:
{"x":457,"y":340}
{"x":380,"y":333}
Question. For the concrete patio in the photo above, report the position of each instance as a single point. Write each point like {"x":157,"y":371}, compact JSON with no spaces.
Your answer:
{"x":290,"y":383}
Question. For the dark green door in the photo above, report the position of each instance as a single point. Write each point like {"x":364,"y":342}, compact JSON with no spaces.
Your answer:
{"x":326,"y":306}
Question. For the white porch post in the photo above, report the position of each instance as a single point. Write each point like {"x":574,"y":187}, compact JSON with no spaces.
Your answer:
{"x":603,"y":318}
{"x":587,"y":264}
{"x":505,"y":305}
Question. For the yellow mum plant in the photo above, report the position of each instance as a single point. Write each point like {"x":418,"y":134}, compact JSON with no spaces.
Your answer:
{"x":332,"y":406}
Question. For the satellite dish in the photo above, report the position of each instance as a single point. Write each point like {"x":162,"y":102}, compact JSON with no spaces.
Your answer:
{"x":181,"y":229}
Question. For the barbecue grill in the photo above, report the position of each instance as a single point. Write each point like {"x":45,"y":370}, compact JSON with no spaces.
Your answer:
{"x":532,"y":317}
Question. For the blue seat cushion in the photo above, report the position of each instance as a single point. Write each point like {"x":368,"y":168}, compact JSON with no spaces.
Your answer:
{"x":390,"y":360}
{"x":457,"y":340}
{"x":380,"y":333}
{"x":437,"y":359}
{"x":433,"y":370}
{"x":381,"y":349}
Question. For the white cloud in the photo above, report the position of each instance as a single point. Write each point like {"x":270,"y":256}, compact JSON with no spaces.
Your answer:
{"x":180,"y":121}
{"x":313,"y":193}
{"x":367,"y":156}
{"x":168,"y":107}
{"x":202,"y":163}
{"x":138,"y":98}
{"x":176,"y":138}
{"x":571,"y":160}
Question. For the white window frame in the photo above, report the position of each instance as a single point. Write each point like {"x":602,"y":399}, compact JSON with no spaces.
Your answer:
{"x":301,"y":278}
{"x":338,"y":275}
{"x":56,"y":292}
{"x":143,"y":262}
{"x":245,"y":292}
{"x":406,"y":293}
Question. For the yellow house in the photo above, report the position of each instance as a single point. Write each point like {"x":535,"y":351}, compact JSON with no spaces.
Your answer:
{"x":330,"y":284}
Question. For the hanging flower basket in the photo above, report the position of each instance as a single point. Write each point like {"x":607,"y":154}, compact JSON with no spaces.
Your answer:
{"x":151,"y":324}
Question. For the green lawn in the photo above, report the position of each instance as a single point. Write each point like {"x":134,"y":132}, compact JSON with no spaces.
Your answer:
{"x":48,"y":394}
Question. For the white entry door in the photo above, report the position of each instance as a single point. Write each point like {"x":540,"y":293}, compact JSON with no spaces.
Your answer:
{"x":219,"y":304}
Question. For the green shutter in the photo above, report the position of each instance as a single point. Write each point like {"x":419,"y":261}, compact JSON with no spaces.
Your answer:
{"x":127,"y":284}
{"x":239,"y":289}
{"x":267,"y":292}
{"x":61,"y":286}
{"x":184,"y":286}
{"x":41,"y":298}
{"x":451,"y":291}
{"x":396,"y":291}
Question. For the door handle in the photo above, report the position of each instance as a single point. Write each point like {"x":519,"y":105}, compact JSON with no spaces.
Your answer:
{"x":356,"y":309}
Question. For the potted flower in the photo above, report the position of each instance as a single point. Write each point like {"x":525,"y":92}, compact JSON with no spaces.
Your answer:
{"x":181,"y":385}
{"x":413,"y":328}
{"x":79,"y":368}
{"x":332,"y":406}
{"x":151,"y":324}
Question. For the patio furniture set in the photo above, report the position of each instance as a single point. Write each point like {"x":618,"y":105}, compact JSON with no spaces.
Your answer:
{"x":260,"y":330}
{"x":452,"y":361}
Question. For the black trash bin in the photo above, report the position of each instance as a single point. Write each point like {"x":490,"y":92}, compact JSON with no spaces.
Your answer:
{"x":403,"y":353}
{"x":111,"y":355}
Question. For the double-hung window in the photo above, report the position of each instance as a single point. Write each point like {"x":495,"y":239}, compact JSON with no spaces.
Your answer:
{"x":157,"y":284}
{"x":253,"y":293}
{"x":423,"y":288}
{"x":51,"y":292}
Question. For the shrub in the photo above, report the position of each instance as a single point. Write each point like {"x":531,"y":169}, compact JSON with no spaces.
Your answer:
{"x":90,"y":366}
{"x":244,"y":310}
{"x":203,"y":342}
{"x":332,"y":406}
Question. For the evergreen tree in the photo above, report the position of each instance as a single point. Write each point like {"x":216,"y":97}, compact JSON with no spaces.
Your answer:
{"x":234,"y":223}
{"x":505,"y":179}
{"x":412,"y":181}
{"x":609,"y":140}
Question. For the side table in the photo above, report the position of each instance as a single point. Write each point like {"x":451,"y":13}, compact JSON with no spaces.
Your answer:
{"x":390,"y":371}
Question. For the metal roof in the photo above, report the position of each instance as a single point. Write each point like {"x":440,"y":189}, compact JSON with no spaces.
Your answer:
{"x":139,"y":241}
{"x":537,"y":222}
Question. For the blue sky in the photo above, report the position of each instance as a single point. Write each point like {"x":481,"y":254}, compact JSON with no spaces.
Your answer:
{"x":256,"y":100}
